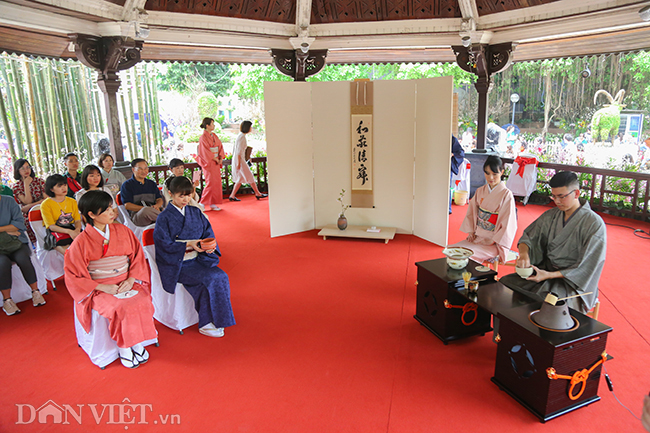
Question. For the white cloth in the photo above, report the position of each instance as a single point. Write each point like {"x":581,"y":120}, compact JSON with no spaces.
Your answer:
{"x":522,"y":186}
{"x":461,"y":181}
{"x":51,"y":261}
{"x":240,"y":171}
{"x":176,"y":311}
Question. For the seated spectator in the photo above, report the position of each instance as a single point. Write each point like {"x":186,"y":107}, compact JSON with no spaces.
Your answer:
{"x":177,"y":167}
{"x":5,"y":190}
{"x":106,"y":260}
{"x":60,"y":213}
{"x":92,"y":180}
{"x":72,"y":174}
{"x":14,"y":247}
{"x":29,"y":191}
{"x":113,"y":179}
{"x":192,"y":262}
{"x":141,"y":196}
{"x":491,"y":219}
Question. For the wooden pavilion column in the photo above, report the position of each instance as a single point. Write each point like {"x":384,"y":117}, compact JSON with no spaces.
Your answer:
{"x":297,"y":64}
{"x":108,"y":55}
{"x":483,"y":61}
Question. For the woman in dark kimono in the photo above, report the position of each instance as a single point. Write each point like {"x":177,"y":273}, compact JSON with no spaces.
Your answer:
{"x":187,"y":253}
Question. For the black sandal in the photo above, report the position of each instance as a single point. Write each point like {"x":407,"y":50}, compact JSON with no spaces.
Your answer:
{"x":233,"y":199}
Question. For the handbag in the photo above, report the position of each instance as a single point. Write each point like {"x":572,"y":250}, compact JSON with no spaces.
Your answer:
{"x":9,"y":244}
{"x":49,"y":241}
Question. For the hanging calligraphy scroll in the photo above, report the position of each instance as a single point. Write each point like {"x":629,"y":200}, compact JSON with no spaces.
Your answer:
{"x":361,"y":98}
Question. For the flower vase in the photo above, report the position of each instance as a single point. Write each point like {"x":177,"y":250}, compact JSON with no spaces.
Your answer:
{"x":342,"y":222}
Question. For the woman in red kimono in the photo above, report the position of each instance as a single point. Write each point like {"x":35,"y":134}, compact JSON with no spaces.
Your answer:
{"x":106,"y":271}
{"x":210,"y":156}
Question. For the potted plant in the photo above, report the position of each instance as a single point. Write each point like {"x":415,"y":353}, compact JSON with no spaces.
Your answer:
{"x":342,"y":222}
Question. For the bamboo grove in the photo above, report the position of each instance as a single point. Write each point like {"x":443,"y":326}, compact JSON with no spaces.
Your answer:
{"x":51,"y":107}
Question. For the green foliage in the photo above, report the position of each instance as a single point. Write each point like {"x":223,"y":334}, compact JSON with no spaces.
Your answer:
{"x":248,"y":80}
{"x":185,"y":77}
{"x":207,"y":105}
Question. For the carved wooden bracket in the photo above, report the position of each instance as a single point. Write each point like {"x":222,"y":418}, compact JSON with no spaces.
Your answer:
{"x":298,"y":65}
{"x":107,"y":55}
{"x":484,"y":60}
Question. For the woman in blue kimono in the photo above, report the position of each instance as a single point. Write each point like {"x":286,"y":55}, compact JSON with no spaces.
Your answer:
{"x":183,"y":258}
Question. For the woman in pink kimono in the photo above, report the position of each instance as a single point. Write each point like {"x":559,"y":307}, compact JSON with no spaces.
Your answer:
{"x":210,"y":156}
{"x":491,"y":220}
{"x":106,"y":271}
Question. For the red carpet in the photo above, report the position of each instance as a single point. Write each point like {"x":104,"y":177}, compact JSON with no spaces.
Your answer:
{"x":325,"y":342}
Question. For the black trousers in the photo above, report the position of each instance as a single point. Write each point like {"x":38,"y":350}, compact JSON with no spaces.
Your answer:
{"x":22,"y":258}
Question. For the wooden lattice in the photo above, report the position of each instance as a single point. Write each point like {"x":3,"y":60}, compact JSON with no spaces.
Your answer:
{"x":336,"y":11}
{"x":280,"y":11}
{"x":486,"y":7}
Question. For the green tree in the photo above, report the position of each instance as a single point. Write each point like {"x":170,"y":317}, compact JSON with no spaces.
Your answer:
{"x":184,"y":77}
{"x":248,"y":80}
{"x":207,"y":105}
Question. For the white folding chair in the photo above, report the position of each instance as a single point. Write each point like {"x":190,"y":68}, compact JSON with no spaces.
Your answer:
{"x":20,"y":290}
{"x":98,"y":344}
{"x":176,"y":311}
{"x":137,"y":230}
{"x":51,"y":261}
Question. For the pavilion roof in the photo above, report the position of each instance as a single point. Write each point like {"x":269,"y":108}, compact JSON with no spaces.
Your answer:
{"x":360,"y":31}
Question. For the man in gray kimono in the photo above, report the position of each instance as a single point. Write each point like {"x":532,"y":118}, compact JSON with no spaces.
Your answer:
{"x":565,"y":246}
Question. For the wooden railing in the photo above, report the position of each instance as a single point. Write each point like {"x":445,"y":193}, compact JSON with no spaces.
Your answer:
{"x":600,"y":187}
{"x":161,"y":172}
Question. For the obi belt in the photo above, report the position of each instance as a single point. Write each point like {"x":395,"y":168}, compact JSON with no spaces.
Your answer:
{"x":108,"y":267}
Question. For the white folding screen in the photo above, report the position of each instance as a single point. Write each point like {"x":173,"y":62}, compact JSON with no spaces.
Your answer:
{"x":288,"y":116}
{"x":432,"y":158}
{"x":324,"y":148}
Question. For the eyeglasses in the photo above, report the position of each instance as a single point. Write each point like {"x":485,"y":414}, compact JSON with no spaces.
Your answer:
{"x":562,"y":197}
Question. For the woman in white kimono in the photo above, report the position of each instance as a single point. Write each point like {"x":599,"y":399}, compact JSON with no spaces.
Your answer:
{"x":240,"y":171}
{"x":491,"y":220}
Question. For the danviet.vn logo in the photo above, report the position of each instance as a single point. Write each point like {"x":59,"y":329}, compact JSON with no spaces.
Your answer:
{"x":124,"y":413}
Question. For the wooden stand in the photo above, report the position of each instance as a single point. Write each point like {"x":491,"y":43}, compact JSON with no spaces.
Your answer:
{"x":385,"y":233}
{"x":438,"y":283}
{"x":525,"y":351}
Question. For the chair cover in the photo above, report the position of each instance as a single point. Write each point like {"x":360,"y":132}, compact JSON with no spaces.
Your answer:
{"x":97,"y":344}
{"x":523,"y":177}
{"x":176,"y":311}
{"x":126,"y":219}
{"x":51,"y":261}
{"x":461,"y":181}
{"x":20,"y":290}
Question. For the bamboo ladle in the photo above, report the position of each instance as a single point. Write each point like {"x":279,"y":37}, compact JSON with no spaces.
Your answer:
{"x":552,"y":299}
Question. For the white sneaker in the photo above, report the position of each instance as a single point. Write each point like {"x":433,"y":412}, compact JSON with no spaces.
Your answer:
{"x":211,"y":331}
{"x":214,"y":207}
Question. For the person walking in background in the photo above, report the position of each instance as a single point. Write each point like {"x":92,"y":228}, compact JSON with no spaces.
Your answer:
{"x":72,"y":174}
{"x":210,"y":156}
{"x":240,"y":171}
{"x":113,"y":179}
{"x":29,"y":191}
{"x":457,"y":157}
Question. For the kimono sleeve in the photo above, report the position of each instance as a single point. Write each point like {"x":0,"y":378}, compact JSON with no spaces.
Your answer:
{"x":77,"y":278}
{"x":469,"y":223}
{"x":203,"y":153}
{"x":169,"y":253}
{"x":138,"y":268}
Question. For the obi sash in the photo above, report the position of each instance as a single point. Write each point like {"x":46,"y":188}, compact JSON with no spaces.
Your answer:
{"x":108,"y":267}
{"x":190,"y":254}
{"x":215,"y":150}
{"x":487,"y":220}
